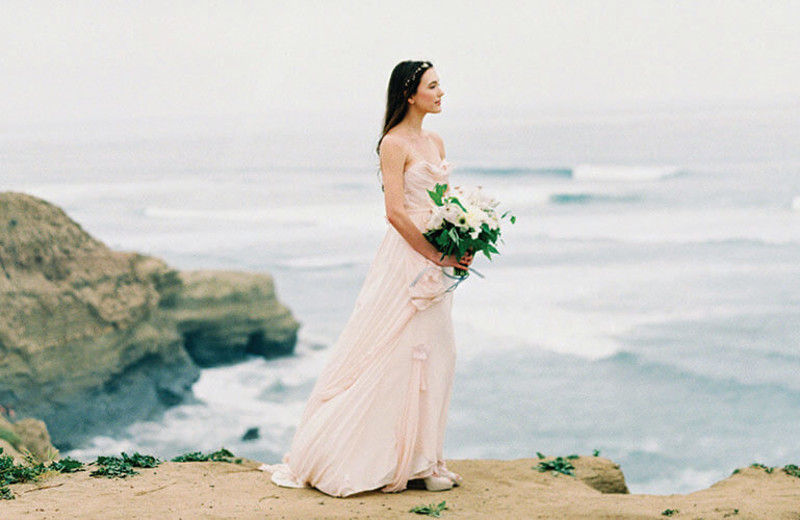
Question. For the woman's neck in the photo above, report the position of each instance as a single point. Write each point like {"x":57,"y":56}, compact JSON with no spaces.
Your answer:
{"x":413,"y":121}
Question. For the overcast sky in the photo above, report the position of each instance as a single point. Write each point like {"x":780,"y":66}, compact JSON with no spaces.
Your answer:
{"x":84,"y":60}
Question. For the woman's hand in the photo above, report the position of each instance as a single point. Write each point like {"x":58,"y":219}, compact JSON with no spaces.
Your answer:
{"x":452,"y":261}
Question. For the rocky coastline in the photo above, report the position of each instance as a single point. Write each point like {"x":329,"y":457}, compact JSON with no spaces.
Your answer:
{"x":92,"y":339}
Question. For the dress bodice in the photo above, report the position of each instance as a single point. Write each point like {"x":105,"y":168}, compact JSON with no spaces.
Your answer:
{"x":418,"y":179}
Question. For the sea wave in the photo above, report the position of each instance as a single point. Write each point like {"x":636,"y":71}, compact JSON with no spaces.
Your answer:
{"x":230,"y":400}
{"x":597,"y":172}
{"x":320,"y":263}
{"x":546,"y":172}
{"x":581,"y":198}
{"x":254,"y":214}
{"x":594,"y":172}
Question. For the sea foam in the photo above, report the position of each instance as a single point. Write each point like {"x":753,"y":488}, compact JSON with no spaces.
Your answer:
{"x":622,"y":173}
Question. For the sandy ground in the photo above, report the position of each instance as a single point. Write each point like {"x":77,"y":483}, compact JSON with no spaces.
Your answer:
{"x":492,"y":489}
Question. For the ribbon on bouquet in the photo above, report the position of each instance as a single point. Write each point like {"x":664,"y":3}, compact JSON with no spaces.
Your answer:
{"x":458,"y":279}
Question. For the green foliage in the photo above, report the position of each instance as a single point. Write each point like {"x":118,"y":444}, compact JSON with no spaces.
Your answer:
{"x":595,"y":453}
{"x":540,"y":455}
{"x":121,"y":467}
{"x":221,"y":455}
{"x":434,"y":510}
{"x":558,"y":465}
{"x":437,"y":194}
{"x":573,"y":456}
{"x":66,"y":465}
{"x":449,"y":239}
{"x":669,"y":512}
{"x":10,"y":437}
{"x":12,"y":473}
{"x":768,"y":469}
{"x":792,"y":470}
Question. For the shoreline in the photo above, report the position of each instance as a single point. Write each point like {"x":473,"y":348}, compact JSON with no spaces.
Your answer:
{"x":491,"y":489}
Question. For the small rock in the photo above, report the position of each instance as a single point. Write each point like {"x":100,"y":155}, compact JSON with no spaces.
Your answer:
{"x":251,"y":434}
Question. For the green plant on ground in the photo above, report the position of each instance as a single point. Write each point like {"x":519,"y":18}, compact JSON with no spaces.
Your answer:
{"x":558,"y":465}
{"x":792,"y":470}
{"x":121,"y":467}
{"x":595,"y":453}
{"x":12,"y":473}
{"x":434,"y":510}
{"x":221,"y":455}
{"x":669,"y":512}
{"x":768,"y":469}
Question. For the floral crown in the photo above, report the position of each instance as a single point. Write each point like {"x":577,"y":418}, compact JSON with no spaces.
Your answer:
{"x":424,"y":66}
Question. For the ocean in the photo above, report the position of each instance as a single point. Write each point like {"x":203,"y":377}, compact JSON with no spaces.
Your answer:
{"x":646,"y":304}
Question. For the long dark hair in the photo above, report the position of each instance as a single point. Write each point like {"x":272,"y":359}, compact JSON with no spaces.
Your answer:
{"x":403,"y":84}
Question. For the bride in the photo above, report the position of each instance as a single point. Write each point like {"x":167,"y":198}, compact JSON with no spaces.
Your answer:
{"x":377,"y":414}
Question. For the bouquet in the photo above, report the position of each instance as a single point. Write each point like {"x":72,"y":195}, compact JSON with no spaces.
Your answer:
{"x":464,"y":223}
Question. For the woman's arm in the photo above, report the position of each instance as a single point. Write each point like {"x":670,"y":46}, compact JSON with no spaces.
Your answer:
{"x":393,"y":160}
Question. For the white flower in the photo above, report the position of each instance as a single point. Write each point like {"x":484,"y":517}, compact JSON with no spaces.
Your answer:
{"x":452,"y":213}
{"x":481,"y":199}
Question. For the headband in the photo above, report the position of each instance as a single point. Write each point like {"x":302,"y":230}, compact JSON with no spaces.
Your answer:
{"x":425,"y":65}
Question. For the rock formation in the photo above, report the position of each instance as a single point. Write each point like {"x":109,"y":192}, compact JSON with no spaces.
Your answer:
{"x":222,"y":317}
{"x":92,"y":339}
{"x":26,"y":436}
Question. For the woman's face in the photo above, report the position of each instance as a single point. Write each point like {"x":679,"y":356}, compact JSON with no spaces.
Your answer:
{"x":429,"y":93}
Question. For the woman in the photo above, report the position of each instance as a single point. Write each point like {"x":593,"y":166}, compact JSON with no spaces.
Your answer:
{"x":376,"y":417}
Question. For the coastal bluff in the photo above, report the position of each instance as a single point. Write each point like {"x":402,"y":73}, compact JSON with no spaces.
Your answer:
{"x":93,"y":339}
{"x":492,"y":489}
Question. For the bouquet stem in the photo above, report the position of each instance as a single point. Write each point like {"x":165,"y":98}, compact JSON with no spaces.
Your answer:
{"x":463,"y":273}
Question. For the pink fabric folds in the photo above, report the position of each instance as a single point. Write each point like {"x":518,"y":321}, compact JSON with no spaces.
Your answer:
{"x":409,"y":424}
{"x":376,"y":416}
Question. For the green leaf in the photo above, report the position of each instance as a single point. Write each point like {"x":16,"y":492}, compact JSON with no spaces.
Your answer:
{"x":221,"y":455}
{"x":557,"y":465}
{"x":453,"y":234}
{"x":434,"y":510}
{"x":437,"y":194}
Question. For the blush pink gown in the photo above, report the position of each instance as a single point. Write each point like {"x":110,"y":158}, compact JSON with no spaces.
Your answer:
{"x":377,"y":414}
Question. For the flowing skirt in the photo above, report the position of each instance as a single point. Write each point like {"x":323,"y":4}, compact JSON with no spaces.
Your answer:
{"x":377,"y":415}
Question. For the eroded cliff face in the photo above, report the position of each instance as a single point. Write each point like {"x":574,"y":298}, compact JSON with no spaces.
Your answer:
{"x":92,"y":339}
{"x":225,"y":316}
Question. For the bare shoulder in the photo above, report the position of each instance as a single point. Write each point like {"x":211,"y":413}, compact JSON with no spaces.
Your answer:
{"x":437,"y":140}
{"x":393,"y":151}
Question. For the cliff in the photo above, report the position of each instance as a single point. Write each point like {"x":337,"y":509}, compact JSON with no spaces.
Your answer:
{"x":26,"y":436}
{"x":492,"y":489}
{"x":92,"y":339}
{"x":222,"y":317}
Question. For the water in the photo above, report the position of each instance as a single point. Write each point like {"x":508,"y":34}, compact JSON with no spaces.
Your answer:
{"x":646,"y":303}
